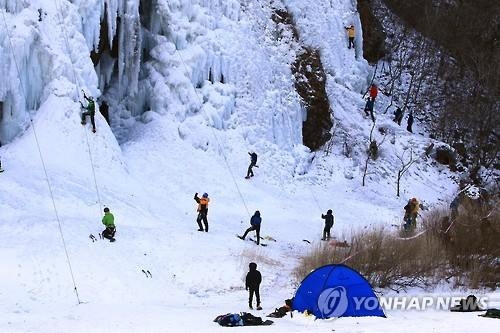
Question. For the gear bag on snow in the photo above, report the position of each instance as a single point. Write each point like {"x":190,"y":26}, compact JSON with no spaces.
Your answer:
{"x":230,"y":319}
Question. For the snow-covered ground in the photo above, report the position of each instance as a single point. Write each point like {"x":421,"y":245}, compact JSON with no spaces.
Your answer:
{"x":59,"y":175}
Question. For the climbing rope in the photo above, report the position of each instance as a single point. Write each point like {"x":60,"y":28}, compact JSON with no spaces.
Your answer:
{"x":11,"y":46}
{"x":77,"y":89}
{"x":219,"y":146}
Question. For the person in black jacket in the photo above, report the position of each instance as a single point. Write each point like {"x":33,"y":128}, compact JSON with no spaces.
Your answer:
{"x":252,"y":284}
{"x":253,"y":163}
{"x":398,"y":116}
{"x":410,"y":123}
{"x":328,"y":224}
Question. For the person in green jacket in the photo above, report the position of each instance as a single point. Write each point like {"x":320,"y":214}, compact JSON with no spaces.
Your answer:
{"x":109,"y":221}
{"x":90,"y":111}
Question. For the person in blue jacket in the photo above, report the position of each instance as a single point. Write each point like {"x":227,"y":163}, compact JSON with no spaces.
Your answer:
{"x":255,"y":222}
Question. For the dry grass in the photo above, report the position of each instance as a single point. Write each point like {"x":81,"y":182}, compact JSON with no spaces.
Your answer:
{"x":463,"y":251}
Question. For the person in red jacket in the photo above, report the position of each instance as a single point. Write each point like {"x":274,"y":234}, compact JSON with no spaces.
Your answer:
{"x":373,"y":91}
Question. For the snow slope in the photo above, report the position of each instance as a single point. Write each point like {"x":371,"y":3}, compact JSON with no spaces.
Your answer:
{"x":59,"y":175}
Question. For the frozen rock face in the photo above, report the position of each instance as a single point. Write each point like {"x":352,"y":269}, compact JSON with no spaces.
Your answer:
{"x":209,"y":62}
{"x":41,"y":54}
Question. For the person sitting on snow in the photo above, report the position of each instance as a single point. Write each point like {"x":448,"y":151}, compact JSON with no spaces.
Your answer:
{"x":109,"y":221}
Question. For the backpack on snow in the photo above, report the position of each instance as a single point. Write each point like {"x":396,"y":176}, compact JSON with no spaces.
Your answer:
{"x":230,"y":319}
{"x":250,"y":320}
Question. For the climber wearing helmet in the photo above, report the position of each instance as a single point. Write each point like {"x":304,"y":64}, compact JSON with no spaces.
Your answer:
{"x":90,"y":111}
{"x":202,"y":210}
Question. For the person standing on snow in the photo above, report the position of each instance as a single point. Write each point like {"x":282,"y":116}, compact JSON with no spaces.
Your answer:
{"x":351,"y":33}
{"x":253,"y":163}
{"x":411,"y":212}
{"x":328,"y":224}
{"x":255,"y":222}
{"x":410,"y":123}
{"x":398,"y":116}
{"x":90,"y":111}
{"x":252,"y":284}
{"x":109,"y":221}
{"x":202,"y":210}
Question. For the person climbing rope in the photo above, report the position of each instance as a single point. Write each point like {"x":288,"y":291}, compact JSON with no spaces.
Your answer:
{"x":351,"y":33}
{"x":90,"y":111}
{"x":328,"y":224}
{"x":109,"y":221}
{"x":255,"y":222}
{"x":373,"y":92}
{"x":253,"y":163}
{"x":369,"y":108}
{"x":202,"y":211}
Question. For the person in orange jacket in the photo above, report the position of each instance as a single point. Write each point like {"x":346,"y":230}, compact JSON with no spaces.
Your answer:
{"x":351,"y":33}
{"x":202,"y":211}
{"x":373,"y":91}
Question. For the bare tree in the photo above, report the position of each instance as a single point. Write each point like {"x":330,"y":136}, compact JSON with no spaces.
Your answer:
{"x":372,"y":153}
{"x":455,"y":79}
{"x":405,"y":165}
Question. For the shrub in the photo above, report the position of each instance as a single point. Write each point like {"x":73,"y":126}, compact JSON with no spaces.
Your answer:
{"x":463,"y":251}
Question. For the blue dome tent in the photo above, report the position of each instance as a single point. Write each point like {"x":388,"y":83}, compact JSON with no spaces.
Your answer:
{"x":336,"y":291}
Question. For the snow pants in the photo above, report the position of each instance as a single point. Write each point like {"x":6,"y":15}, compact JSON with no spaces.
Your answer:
{"x":252,"y":228}
{"x":251,"y":291}
{"x":202,"y":217}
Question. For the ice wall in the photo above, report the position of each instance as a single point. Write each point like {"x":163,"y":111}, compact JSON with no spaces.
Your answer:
{"x":41,"y":50}
{"x":229,"y":54}
{"x":209,"y":62}
{"x":13,"y":6}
